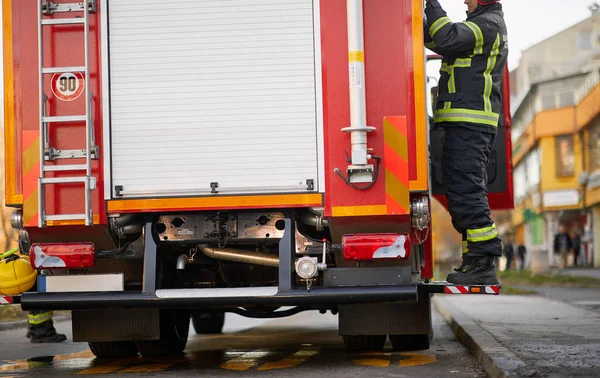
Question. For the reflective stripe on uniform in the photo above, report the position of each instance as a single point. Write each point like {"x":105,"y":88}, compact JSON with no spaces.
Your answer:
{"x":447,"y":69}
{"x":478,"y":37}
{"x":482,"y":234}
{"x":39,"y":318}
{"x":462,"y":62}
{"x":438,"y":24}
{"x":430,"y":45}
{"x":467,"y":115}
{"x":465,"y":248}
{"x":487,"y":75}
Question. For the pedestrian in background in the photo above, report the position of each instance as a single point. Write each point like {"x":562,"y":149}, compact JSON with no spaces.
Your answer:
{"x":562,"y":245}
{"x":576,"y":248}
{"x":509,"y":253}
{"x":521,"y":251}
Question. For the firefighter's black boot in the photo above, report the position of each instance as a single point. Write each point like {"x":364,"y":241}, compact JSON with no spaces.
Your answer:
{"x":41,"y":328}
{"x":478,"y":271}
{"x":49,"y":337}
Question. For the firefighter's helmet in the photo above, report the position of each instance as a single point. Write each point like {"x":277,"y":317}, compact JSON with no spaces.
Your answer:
{"x":16,"y":274}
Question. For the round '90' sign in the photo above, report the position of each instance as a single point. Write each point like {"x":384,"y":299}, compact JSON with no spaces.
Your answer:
{"x":68,"y":86}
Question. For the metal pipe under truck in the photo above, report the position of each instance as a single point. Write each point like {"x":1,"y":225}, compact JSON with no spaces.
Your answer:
{"x":179,"y":159}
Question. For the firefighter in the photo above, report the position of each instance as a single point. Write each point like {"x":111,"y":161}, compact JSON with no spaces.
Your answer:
{"x":469,"y":109}
{"x":40,"y":328}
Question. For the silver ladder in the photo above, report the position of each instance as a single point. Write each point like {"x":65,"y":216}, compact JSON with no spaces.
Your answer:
{"x":46,"y":152}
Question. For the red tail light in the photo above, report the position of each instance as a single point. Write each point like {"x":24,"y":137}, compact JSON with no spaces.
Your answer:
{"x":366,"y":247}
{"x":62,"y":256}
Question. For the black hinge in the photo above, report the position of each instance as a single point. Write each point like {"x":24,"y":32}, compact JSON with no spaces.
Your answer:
{"x":310,"y":184}
{"x":213,"y":187}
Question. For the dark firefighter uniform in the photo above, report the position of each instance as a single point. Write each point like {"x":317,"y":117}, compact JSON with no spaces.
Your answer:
{"x":469,"y":108}
{"x":40,"y":328}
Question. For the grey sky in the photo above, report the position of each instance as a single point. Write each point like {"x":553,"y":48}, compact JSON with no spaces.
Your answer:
{"x":530,"y":21}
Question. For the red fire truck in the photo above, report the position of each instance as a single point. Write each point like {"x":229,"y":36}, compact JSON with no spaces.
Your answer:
{"x":170,"y":160}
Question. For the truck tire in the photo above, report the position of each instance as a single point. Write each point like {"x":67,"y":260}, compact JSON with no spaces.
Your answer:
{"x":410,"y":342}
{"x":174,"y":330}
{"x":208,"y":322}
{"x":364,"y":343}
{"x":113,"y":349}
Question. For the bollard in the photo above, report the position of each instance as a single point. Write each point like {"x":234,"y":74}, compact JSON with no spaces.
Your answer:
{"x":539,"y":262}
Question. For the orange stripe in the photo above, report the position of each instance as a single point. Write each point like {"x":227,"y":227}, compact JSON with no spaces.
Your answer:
{"x":421,"y":183}
{"x":31,"y":174}
{"x":396,"y":165}
{"x":397,"y":190}
{"x":275,"y":201}
{"x":358,"y":211}
{"x":394,"y":207}
{"x":72,"y":222}
{"x":11,"y":196}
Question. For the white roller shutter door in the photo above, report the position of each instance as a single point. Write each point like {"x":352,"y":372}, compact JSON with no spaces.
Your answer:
{"x":213,"y":91}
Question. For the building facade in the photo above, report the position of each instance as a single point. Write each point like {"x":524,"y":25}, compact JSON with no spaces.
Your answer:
{"x":556,"y":163}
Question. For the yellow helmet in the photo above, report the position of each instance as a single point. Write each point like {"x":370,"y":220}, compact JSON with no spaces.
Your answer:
{"x":16,"y":273}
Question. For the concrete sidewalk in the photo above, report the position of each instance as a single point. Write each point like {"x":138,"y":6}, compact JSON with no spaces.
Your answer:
{"x":528,"y":336}
{"x":579,"y":272}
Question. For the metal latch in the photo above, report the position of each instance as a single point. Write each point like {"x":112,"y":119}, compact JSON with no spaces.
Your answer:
{"x":48,"y":7}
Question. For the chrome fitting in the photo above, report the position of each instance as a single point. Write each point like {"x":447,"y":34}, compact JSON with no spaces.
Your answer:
{"x":16,"y":220}
{"x":420,"y":213}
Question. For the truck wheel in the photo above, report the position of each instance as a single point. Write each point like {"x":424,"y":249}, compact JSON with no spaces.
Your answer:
{"x":208,"y":322}
{"x":410,"y":342}
{"x":174,"y":330}
{"x":113,"y":349}
{"x":364,"y":343}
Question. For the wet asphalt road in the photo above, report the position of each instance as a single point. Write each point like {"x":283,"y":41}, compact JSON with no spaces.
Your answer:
{"x":306,"y":344}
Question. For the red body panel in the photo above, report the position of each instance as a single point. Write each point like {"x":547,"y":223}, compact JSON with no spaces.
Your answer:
{"x":389,"y":82}
{"x":63,"y":46}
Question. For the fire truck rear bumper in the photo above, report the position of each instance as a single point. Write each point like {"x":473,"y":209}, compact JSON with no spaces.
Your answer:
{"x":234,"y":297}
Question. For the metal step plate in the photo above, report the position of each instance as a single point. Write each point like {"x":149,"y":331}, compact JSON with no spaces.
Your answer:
{"x":443,"y":287}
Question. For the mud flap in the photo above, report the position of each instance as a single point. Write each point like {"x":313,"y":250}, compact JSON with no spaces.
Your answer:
{"x":115,"y":325}
{"x":408,"y":318}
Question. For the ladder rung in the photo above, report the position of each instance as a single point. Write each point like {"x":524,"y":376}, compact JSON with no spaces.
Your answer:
{"x":65,"y":118}
{"x":51,"y":70}
{"x":63,"y":180}
{"x":64,"y":217}
{"x":63,"y":21}
{"x":65,"y":167}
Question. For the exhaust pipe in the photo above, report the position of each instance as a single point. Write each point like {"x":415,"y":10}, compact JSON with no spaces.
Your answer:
{"x":242,"y":256}
{"x":182,"y":261}
{"x":315,"y":219}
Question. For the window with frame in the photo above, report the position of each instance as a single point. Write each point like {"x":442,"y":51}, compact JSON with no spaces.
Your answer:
{"x":594,"y":145}
{"x":565,"y":157}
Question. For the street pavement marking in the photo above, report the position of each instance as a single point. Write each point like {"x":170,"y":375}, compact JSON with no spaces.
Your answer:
{"x":15,"y":365}
{"x":245,"y":361}
{"x":372,"y":362}
{"x":385,"y":359}
{"x":150,"y":368}
{"x":71,"y":356}
{"x":417,"y":359}
{"x":109,"y":367}
{"x":294,"y":360}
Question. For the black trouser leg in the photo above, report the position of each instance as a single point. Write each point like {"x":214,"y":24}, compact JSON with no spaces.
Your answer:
{"x":40,"y":323}
{"x":464,"y":160}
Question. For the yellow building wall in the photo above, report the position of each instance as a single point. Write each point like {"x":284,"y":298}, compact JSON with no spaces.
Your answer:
{"x":588,"y":108}
{"x":549,"y":179}
{"x":555,"y":122}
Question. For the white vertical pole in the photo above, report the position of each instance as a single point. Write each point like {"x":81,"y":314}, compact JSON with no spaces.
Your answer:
{"x":358,"y":110}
